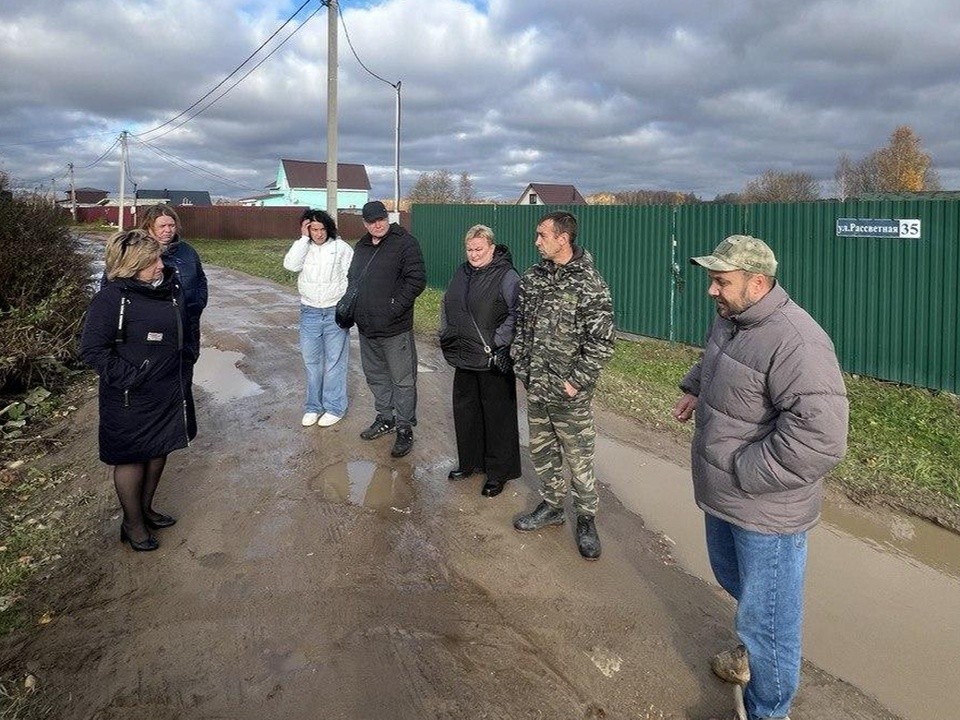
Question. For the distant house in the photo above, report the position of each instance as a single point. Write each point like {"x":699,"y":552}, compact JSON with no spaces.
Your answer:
{"x":88,"y":195}
{"x":173,"y":197}
{"x":301,"y":182}
{"x":547,"y":194}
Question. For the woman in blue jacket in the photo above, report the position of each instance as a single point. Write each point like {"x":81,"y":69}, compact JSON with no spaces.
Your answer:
{"x":162,"y":223}
{"x":135,"y":337}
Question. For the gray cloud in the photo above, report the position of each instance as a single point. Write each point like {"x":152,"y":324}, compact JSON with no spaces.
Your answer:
{"x":617,"y":94}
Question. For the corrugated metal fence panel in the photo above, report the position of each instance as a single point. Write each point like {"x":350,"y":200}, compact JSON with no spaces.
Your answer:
{"x":890,"y":305}
{"x":699,"y":229}
{"x":631,"y":248}
{"x":440,"y":230}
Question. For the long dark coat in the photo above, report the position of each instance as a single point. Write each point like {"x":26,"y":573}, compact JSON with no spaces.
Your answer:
{"x":134,"y":337}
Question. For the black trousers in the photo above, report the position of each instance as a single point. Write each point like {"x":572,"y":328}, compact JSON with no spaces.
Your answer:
{"x":485,"y":419}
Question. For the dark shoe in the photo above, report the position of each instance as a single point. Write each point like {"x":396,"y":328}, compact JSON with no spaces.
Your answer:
{"x":458,"y":474}
{"x":146,"y":546}
{"x":381,"y":426}
{"x":588,"y":542}
{"x":492,"y":487}
{"x":541,"y":516}
{"x":403,"y":443}
{"x":159,"y":521}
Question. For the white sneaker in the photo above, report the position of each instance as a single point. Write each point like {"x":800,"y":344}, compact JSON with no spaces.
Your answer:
{"x":328,"y":419}
{"x":309,"y":419}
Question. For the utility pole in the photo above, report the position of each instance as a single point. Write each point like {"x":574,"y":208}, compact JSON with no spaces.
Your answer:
{"x":332,"y":108}
{"x":123,"y":175}
{"x":53,"y":192}
{"x":73,"y":195}
{"x":396,"y":158}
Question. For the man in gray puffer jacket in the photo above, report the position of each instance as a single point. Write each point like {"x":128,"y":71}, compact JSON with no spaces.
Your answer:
{"x":771,"y":422}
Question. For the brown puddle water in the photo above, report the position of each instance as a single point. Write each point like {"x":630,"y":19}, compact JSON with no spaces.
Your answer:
{"x":883,"y":590}
{"x":361,"y":482}
{"x":217,"y":373}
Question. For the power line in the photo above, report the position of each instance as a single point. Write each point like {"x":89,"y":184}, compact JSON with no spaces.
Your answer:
{"x":62,"y":140}
{"x":100,"y":159}
{"x":82,"y":167}
{"x":187,"y":165}
{"x":230,"y":75}
{"x":350,"y":43}
{"x":240,"y":80}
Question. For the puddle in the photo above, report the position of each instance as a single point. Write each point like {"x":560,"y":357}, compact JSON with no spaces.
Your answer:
{"x":883,"y":591}
{"x":361,"y":482}
{"x":217,"y":373}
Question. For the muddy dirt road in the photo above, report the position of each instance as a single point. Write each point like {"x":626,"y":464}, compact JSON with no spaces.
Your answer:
{"x":311,"y":575}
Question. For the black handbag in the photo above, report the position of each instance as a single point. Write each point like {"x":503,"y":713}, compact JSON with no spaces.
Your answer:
{"x":498,"y":360}
{"x":344,"y":316}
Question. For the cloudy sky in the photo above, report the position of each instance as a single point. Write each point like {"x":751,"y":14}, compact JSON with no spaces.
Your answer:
{"x":688,"y":95}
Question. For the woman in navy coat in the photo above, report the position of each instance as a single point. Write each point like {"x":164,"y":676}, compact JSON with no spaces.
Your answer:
{"x":135,"y":337}
{"x":162,"y":223}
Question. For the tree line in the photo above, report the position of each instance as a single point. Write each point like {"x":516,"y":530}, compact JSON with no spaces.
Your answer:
{"x":902,"y":165}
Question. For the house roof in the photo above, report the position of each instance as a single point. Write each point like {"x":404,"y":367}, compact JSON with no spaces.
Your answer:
{"x":177,"y":197}
{"x":89,"y":189}
{"x":260,"y":197}
{"x":552,"y":194}
{"x":306,"y":174}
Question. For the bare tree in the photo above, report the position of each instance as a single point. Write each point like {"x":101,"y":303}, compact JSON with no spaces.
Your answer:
{"x":465,"y":191}
{"x":845,"y":176}
{"x":439,"y":187}
{"x":777,"y":186}
{"x":433,"y":187}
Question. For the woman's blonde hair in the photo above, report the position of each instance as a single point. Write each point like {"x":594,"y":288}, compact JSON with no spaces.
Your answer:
{"x":130,"y":252}
{"x":480,"y":231}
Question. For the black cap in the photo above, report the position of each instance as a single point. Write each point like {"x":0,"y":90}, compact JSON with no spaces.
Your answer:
{"x":374,"y":210}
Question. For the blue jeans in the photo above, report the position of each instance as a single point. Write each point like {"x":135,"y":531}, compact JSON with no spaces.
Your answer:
{"x":764,"y":573}
{"x":326,"y":349}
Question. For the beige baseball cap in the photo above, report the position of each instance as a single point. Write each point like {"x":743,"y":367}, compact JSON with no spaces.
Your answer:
{"x":740,"y":252}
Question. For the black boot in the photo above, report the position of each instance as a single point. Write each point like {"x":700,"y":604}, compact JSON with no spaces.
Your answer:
{"x":404,"y":442}
{"x":380,"y":426}
{"x":492,"y":487}
{"x":588,"y":542}
{"x":541,"y":516}
{"x":459,"y":474}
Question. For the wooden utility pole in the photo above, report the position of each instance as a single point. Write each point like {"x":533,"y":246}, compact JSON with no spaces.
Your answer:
{"x":332,"y":108}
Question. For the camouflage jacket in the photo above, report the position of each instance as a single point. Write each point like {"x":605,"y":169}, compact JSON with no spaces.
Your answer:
{"x":564,"y":329}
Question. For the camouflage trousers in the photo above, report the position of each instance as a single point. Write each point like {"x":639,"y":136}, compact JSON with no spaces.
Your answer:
{"x":558,"y":432}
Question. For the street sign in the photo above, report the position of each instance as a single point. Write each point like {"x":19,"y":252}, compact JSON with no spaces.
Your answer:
{"x":883,"y":228}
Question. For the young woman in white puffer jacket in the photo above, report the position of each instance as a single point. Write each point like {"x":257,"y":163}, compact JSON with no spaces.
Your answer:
{"x":322,"y":260}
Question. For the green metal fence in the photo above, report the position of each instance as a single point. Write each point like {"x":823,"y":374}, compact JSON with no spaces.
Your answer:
{"x":890,"y":304}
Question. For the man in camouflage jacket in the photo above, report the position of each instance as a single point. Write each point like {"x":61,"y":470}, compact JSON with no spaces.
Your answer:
{"x":564,"y":336}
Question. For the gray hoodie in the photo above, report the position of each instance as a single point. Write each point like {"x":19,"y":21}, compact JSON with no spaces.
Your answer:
{"x":771,"y":417}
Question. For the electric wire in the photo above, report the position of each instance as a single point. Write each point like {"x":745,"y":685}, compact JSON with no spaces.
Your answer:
{"x":62,"y":140}
{"x":100,"y":159}
{"x":190,"y":167}
{"x":240,"y":80}
{"x":230,"y":75}
{"x":346,"y":34}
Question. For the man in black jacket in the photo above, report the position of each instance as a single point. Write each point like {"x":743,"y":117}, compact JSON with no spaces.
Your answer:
{"x":388,"y":266}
